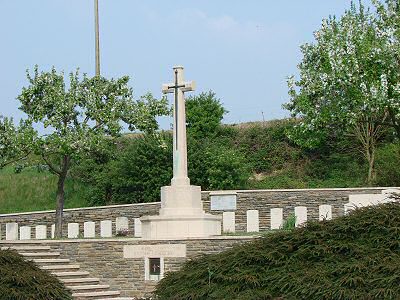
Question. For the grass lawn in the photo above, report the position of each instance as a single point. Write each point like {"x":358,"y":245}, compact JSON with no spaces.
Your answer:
{"x":31,"y":190}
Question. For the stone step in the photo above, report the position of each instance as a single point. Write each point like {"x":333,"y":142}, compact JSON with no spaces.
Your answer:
{"x":80,"y":281}
{"x":95,"y":295}
{"x":60,"y":267}
{"x":50,"y":260}
{"x":27,"y":248}
{"x":40,"y":254}
{"x":70,"y":274}
{"x":92,"y":287}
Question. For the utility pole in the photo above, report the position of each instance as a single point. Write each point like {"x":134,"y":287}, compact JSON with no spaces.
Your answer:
{"x":97,"y":42}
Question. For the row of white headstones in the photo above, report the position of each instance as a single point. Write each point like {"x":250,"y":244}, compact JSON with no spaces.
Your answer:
{"x":14,"y":232}
{"x":228,"y":220}
{"x":89,"y":230}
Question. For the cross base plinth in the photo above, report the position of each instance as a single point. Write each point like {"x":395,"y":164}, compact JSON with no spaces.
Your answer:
{"x":181,"y":215}
{"x":171,"y":227}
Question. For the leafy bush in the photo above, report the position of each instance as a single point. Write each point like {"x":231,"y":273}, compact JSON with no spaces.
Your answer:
{"x":204,"y":114}
{"x":141,"y":169}
{"x":23,"y":280}
{"x":216,"y":166}
{"x":388,"y":165}
{"x":352,"y":257}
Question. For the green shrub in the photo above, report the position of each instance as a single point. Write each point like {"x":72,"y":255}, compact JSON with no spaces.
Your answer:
{"x":141,"y":169}
{"x":388,"y":165}
{"x":352,"y":257}
{"x":23,"y":280}
{"x":204,"y":114}
{"x":290,"y":222}
{"x":216,"y":166}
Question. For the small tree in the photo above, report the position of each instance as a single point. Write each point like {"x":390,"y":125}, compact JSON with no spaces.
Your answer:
{"x":348,"y":84}
{"x":204,"y":114}
{"x":78,"y":120}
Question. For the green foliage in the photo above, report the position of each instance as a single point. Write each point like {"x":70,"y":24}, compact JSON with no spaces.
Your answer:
{"x":352,"y":257}
{"x":290,"y":222}
{"x":20,"y":279}
{"x":266,"y":146}
{"x":217,"y":166}
{"x":204,"y":114}
{"x":142,"y":169}
{"x":388,"y":165}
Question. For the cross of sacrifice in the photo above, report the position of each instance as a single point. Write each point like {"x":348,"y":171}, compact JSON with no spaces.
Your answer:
{"x":180,"y":144}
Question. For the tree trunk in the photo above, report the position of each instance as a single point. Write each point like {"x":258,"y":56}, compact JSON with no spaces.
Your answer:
{"x":61,"y":196}
{"x":371,"y":167}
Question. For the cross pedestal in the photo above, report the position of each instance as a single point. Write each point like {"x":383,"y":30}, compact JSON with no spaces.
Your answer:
{"x":181,"y":214}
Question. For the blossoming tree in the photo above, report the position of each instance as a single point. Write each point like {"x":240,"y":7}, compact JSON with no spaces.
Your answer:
{"x":349,"y":80}
{"x":78,"y":119}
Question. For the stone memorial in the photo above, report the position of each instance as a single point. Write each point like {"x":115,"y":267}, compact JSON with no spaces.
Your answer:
{"x":106,"y":228}
{"x":11,"y":231}
{"x":181,"y":214}
{"x":53,"y":230}
{"x":325,"y":212}
{"x":276,"y":218}
{"x":228,"y":221}
{"x":301,"y":215}
{"x":25,"y":233}
{"x":73,"y":230}
{"x":41,"y":232}
{"x":89,"y":229}
{"x":252,"y":220}
{"x":121,"y":224}
{"x":138,"y":227}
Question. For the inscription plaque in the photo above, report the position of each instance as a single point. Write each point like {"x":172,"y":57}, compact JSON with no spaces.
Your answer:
{"x":223,"y":202}
{"x":161,"y":250}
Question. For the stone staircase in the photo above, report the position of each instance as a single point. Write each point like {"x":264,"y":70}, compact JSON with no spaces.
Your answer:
{"x":83,"y":286}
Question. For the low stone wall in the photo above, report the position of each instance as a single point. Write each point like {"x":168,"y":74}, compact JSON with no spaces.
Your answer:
{"x":261,"y":200}
{"x":104,"y":258}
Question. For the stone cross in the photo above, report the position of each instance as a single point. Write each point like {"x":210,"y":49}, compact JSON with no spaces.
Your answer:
{"x":180,"y":144}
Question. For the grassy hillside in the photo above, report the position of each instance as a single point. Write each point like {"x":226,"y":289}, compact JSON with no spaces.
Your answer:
{"x":20,"y":279}
{"x":31,"y":190}
{"x":352,"y":257}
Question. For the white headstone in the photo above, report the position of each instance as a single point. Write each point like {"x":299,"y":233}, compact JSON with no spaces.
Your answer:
{"x":276,"y":218}
{"x":228,"y":221}
{"x":301,"y":215}
{"x":89,"y":229}
{"x":73,"y":230}
{"x":325,"y":212}
{"x":138,"y":227}
{"x":25,"y":233}
{"x":12,"y":231}
{"x":106,"y":228}
{"x":53,"y":230}
{"x":121,"y":224}
{"x":253,"y":223}
{"x":41,"y":232}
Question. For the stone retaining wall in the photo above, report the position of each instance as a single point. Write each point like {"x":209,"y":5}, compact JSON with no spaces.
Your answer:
{"x":104,"y":259}
{"x":261,"y":200}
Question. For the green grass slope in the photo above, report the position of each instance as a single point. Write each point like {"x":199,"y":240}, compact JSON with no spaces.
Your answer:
{"x":23,"y":280}
{"x":32,"y":191}
{"x":352,"y":257}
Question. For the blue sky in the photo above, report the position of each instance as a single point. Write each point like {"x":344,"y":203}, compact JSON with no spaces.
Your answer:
{"x":242,"y":50}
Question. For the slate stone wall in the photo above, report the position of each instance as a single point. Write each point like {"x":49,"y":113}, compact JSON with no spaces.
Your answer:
{"x":262,"y":200}
{"x":104,"y":259}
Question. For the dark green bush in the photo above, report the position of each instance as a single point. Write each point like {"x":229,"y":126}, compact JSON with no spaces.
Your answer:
{"x":204,"y":114}
{"x":388,"y":165}
{"x":141,"y":169}
{"x":352,"y":257}
{"x":23,"y":280}
{"x":216,"y":166}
